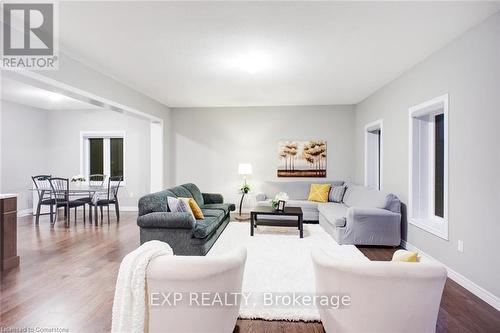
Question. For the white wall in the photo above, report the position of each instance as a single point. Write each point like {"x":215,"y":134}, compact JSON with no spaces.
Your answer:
{"x":76,"y":75}
{"x":78,"y":78}
{"x":24,"y":142}
{"x":156,"y":151}
{"x":208,"y":143}
{"x":469,"y":70}
{"x":36,"y":141}
{"x":64,"y":146}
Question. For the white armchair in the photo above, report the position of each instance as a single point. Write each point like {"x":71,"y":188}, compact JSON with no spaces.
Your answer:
{"x":385,"y":296}
{"x":187,"y":275}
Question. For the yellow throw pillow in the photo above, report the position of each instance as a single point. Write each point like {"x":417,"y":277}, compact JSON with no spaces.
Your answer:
{"x":405,"y":256}
{"x":198,"y":214}
{"x":319,"y":192}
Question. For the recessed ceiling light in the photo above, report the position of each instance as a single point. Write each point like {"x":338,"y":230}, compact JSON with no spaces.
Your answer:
{"x":251,"y":62}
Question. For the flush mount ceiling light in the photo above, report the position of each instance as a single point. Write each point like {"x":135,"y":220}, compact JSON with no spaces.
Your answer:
{"x":251,"y":62}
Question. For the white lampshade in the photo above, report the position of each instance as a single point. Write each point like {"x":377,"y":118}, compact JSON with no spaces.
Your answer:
{"x":245,"y":169}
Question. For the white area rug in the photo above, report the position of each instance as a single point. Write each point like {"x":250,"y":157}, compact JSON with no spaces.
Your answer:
{"x":279,"y":261}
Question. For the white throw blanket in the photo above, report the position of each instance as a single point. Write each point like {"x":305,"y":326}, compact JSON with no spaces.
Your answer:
{"x":129,"y":308}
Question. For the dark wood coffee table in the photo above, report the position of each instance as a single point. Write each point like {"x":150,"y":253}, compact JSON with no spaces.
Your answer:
{"x":288,"y":212}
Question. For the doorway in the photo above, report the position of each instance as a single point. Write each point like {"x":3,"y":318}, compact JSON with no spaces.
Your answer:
{"x":373,"y":155}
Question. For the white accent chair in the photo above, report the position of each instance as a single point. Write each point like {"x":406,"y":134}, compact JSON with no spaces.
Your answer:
{"x":385,"y":296}
{"x":186,"y":274}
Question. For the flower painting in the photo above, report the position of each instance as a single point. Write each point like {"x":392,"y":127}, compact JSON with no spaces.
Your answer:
{"x":302,"y":158}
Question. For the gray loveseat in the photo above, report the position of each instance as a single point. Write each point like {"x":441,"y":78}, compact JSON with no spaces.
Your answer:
{"x":364,"y":217}
{"x":184,"y":234}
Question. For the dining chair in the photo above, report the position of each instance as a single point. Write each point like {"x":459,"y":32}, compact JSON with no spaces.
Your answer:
{"x":42,"y":187}
{"x":61,"y":194}
{"x":95,"y":180}
{"x":109,"y":198}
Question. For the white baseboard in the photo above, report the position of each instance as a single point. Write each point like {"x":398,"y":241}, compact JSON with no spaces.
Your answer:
{"x":480,"y":292}
{"x":25,"y":212}
{"x":128,"y":209}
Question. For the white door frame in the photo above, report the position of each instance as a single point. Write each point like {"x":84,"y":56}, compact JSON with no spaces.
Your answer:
{"x":157,"y":176}
{"x":374,"y":125}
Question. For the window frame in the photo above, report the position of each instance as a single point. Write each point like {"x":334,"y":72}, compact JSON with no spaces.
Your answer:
{"x":432,"y":223}
{"x":106,"y":136}
{"x":373,"y":126}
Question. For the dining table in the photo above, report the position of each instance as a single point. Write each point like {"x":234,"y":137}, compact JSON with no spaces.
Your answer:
{"x":77,"y":189}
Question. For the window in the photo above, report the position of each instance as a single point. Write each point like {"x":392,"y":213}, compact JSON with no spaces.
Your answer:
{"x":428,"y":188}
{"x":373,"y":155}
{"x":96,"y":156}
{"x":103,"y":153}
{"x":116,"y":157}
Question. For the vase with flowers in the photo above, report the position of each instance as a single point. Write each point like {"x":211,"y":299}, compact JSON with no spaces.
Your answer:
{"x":78,"y":180}
{"x":282,"y":196}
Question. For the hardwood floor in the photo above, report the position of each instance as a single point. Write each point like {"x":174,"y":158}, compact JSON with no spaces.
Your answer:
{"x":67,"y":276}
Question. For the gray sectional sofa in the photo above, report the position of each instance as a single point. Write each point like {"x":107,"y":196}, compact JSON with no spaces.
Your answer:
{"x":185,"y":235}
{"x":298,"y":192}
{"x":364,"y":217}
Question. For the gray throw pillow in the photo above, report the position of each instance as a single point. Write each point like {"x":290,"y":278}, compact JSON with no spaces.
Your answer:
{"x":177,"y":205}
{"x":336,"y":193}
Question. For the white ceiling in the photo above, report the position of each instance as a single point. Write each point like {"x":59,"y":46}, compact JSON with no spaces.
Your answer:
{"x":22,"y":93}
{"x":193,"y":53}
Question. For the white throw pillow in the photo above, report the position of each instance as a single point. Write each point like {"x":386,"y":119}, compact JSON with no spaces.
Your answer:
{"x":177,"y":205}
